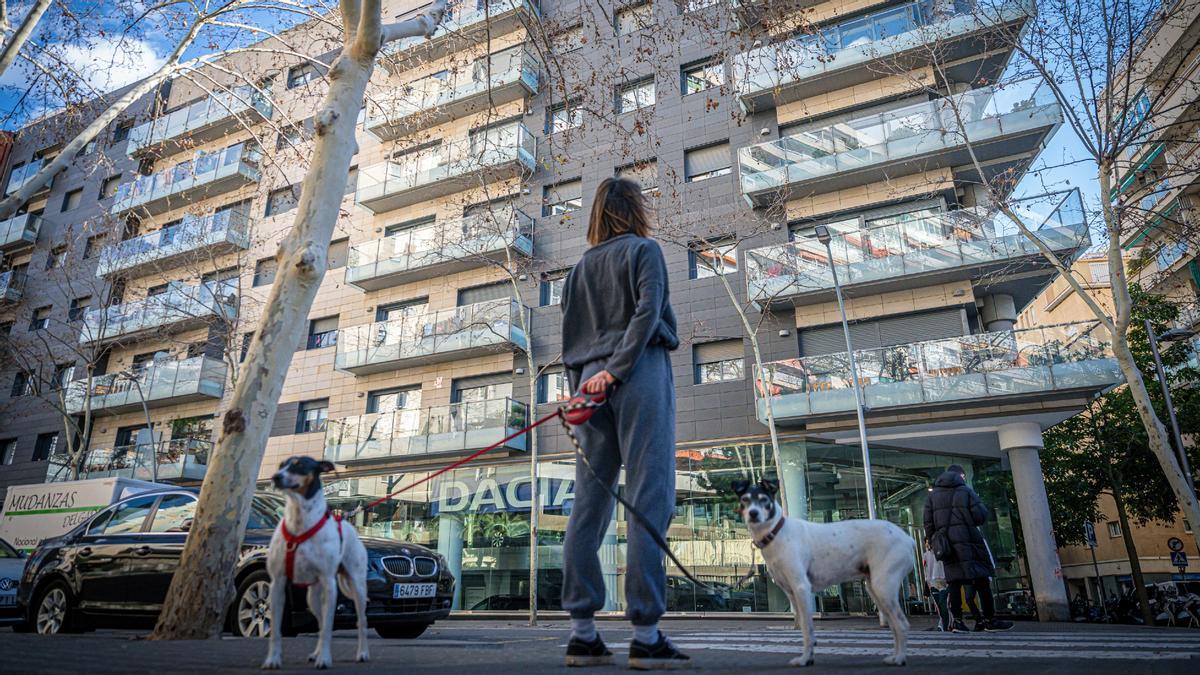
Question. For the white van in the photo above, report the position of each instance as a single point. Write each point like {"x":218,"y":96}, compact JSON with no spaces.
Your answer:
{"x":36,"y":512}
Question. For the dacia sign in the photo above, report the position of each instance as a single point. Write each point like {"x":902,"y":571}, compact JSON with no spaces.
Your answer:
{"x":498,"y":494}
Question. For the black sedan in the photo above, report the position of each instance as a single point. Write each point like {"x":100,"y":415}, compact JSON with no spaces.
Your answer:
{"x":115,"y":569}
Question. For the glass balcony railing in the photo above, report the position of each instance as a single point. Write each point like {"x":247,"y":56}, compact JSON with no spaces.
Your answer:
{"x":193,"y":179}
{"x":432,"y":336}
{"x":924,"y":244}
{"x":180,"y":304}
{"x":23,"y":174}
{"x":924,"y":129}
{"x":1171,"y":253}
{"x":209,"y":112}
{"x":158,"y":382}
{"x":437,"y":98}
{"x":11,"y":286}
{"x":466,"y":16}
{"x":1154,"y":195}
{"x":429,"y":249}
{"x":411,"y":434}
{"x":778,"y":70}
{"x":193,"y":235}
{"x":1047,"y":360}
{"x":19,"y":231}
{"x":181,"y":460}
{"x":446,"y":168}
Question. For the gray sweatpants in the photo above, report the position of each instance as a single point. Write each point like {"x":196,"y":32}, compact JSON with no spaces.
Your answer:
{"x":635,"y":428}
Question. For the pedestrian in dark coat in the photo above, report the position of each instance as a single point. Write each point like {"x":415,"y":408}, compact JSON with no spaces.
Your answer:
{"x":953,"y":508}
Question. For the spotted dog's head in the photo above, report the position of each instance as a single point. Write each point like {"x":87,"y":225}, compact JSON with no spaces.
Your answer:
{"x":756,"y":501}
{"x":300,"y":476}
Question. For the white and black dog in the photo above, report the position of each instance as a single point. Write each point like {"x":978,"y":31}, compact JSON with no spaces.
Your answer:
{"x":803,"y":557}
{"x":311,"y":548}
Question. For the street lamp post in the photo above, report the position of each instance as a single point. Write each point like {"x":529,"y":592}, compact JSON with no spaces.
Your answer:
{"x":825,"y":238}
{"x":1180,"y":450}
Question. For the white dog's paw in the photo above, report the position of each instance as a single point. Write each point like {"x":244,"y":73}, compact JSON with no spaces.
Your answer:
{"x":894,"y":660}
{"x":801,"y":662}
{"x":363,"y":656}
{"x":272,"y":663}
{"x":323,"y":663}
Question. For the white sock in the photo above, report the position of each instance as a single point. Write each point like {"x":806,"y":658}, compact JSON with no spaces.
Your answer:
{"x":647,"y":635}
{"x":584,"y":629}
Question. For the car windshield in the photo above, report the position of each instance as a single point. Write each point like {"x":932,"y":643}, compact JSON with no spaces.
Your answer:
{"x":265,"y":512}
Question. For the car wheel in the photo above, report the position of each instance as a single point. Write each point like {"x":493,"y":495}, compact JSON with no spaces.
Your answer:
{"x":401,"y":631}
{"x":251,"y":615}
{"x":54,"y":612}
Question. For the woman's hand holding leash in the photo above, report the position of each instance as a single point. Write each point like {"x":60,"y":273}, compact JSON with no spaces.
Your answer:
{"x":598,"y":383}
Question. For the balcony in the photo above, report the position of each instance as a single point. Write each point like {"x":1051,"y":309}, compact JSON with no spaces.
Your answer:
{"x":923,"y":250}
{"x":211,"y":235}
{"x":439,"y":249}
{"x":205,"y":175}
{"x":1004,"y":126}
{"x":181,"y":307}
{"x":19,"y":232}
{"x":866,"y":48}
{"x":160,"y":383}
{"x":988,"y":368}
{"x":23,"y":174}
{"x":433,"y":100}
{"x":498,"y":153}
{"x":465,"y":22}
{"x":11,"y":287}
{"x":413,"y":435}
{"x":447,"y":335}
{"x":1171,"y":253}
{"x":183,"y":460}
{"x":202,"y":121}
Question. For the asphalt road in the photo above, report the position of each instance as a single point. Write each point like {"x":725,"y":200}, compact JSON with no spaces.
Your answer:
{"x":501,"y":647}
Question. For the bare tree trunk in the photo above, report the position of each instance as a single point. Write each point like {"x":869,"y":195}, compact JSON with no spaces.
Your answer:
{"x":201,"y":588}
{"x":1135,"y":565}
{"x":19,"y":38}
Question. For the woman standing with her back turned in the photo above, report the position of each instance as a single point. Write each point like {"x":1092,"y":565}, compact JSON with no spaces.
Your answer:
{"x":618,"y":330}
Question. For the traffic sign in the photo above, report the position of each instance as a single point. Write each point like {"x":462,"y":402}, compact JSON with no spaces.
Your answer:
{"x":1179,"y":559}
{"x":1175,"y":544}
{"x":1089,"y":532}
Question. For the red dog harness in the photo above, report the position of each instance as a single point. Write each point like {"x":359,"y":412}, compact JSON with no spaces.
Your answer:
{"x":294,"y":541}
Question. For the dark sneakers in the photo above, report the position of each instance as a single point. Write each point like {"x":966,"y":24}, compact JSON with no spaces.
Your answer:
{"x":959,"y":627}
{"x":993,"y":625}
{"x":582,"y":654}
{"x":661,"y":655}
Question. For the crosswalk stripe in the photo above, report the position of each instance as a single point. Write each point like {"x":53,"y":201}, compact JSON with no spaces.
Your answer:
{"x":882,"y":634}
{"x":935,"y":642}
{"x":1005,"y":652}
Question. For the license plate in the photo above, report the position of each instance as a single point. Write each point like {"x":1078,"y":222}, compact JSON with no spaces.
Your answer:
{"x":403,"y":591}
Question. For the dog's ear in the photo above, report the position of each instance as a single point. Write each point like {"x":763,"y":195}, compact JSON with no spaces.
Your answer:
{"x":740,"y":487}
{"x":324,"y":467}
{"x":770,"y":486}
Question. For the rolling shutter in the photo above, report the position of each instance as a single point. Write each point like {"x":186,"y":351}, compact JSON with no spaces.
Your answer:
{"x":722,"y":350}
{"x":897,"y":330}
{"x":707,"y":160}
{"x":470,"y":296}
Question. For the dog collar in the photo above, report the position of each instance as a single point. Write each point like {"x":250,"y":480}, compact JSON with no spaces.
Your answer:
{"x":770,"y":537}
{"x":294,"y":541}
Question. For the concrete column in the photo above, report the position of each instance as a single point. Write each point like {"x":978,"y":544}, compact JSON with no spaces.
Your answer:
{"x":450,"y":545}
{"x":1022,"y":441}
{"x":999,"y":312}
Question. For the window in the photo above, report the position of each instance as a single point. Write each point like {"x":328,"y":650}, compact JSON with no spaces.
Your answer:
{"x":484,"y":293}
{"x":45,"y":445}
{"x":635,"y":95}
{"x":1187,"y":527}
{"x":552,"y":287}
{"x":351,"y":181}
{"x":562,"y":198}
{"x":721,"y":361}
{"x":697,"y":5}
{"x":57,"y":257}
{"x":553,"y":386}
{"x":89,"y":147}
{"x":131,"y":516}
{"x":1099,"y":272}
{"x":94,"y":245}
{"x":6,"y":328}
{"x":157,"y":290}
{"x":63,"y":374}
{"x":283,"y":200}
{"x":644,"y":173}
{"x":264,"y":271}
{"x":707,"y":162}
{"x":711,"y":259}
{"x":401,"y":310}
{"x":174,"y":514}
{"x":481,"y":388}
{"x":289,"y":137}
{"x":22,"y":384}
{"x":339,"y":252}
{"x":41,"y":318}
{"x":568,"y":40}
{"x":121,"y":132}
{"x":313,"y":416}
{"x":109,"y":187}
{"x":79,"y":307}
{"x":72,"y":199}
{"x":1114,"y":530}
{"x":301,"y":74}
{"x":563,"y":117}
{"x":703,"y":75}
{"x":322,"y":333}
{"x":8,"y":451}
{"x":394,"y":399}
{"x":246,"y":338}
{"x":635,"y":18}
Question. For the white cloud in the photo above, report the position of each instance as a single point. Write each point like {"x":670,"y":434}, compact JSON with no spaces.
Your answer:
{"x":109,"y":64}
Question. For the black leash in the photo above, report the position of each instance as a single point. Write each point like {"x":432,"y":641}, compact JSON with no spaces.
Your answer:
{"x":578,"y":411}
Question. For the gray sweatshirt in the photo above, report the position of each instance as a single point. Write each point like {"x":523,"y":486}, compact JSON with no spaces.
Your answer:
{"x":615,"y":303}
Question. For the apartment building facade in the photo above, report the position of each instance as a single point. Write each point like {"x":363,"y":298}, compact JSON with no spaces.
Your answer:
{"x":436,"y":329}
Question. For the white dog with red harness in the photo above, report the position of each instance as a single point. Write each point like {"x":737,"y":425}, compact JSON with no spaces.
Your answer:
{"x":314,"y":549}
